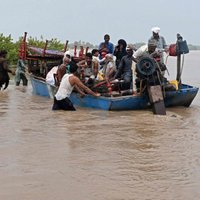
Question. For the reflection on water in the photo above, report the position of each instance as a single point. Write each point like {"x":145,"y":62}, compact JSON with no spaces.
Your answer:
{"x":94,"y":154}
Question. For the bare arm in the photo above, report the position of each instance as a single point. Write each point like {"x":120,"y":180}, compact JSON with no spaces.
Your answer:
{"x":60,"y":73}
{"x":81,"y":63}
{"x":76,"y":81}
{"x":79,"y":90}
{"x":95,"y":67}
{"x":134,"y":59}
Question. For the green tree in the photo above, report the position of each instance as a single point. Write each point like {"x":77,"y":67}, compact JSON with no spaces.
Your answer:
{"x":6,"y":43}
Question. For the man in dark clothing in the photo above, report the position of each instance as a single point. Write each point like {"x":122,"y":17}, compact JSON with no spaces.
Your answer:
{"x":4,"y":77}
{"x":120,"y":51}
{"x":124,"y":71}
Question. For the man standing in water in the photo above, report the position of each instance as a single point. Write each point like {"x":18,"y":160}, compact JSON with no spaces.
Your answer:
{"x":4,"y":77}
{"x":68,"y":82}
{"x":20,"y":73}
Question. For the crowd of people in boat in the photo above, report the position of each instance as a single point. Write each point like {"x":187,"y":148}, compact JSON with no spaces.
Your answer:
{"x":108,"y":64}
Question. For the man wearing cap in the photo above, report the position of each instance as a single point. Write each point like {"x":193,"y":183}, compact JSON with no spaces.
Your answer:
{"x":161,"y":43}
{"x":147,"y":50}
{"x":150,"y":50}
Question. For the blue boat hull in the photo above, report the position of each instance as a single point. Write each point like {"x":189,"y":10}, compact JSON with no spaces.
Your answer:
{"x":182,"y":97}
{"x":41,"y":88}
{"x":111,"y":103}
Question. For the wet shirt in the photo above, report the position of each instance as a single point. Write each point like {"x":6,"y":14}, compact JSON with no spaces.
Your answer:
{"x":50,"y":76}
{"x":65,"y":89}
{"x":20,"y":69}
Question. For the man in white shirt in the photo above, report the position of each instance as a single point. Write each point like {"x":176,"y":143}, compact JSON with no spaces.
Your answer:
{"x":68,"y":82}
{"x":161,"y":43}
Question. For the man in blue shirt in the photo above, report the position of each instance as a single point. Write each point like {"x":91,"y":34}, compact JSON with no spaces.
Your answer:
{"x":106,"y":47}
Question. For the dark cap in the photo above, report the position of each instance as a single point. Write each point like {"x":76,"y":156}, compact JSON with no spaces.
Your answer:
{"x":152,"y":42}
{"x":73,"y":67}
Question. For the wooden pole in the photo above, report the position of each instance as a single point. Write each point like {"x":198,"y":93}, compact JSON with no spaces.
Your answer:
{"x":22,"y":50}
{"x":66,"y":44}
{"x":45,"y":48}
{"x":25,"y":47}
{"x":178,"y":76}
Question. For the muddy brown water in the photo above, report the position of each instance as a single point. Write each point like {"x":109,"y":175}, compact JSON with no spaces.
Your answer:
{"x":99,"y":155}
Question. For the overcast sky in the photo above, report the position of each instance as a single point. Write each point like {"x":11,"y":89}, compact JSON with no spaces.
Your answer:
{"x":89,"y":20}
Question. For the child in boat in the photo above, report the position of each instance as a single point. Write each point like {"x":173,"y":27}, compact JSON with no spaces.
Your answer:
{"x":68,"y":83}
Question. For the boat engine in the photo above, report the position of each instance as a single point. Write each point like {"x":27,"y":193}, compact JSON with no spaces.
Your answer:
{"x":149,"y":80}
{"x":145,"y":67}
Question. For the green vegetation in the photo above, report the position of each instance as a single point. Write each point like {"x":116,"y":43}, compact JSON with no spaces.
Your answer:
{"x":6,"y":43}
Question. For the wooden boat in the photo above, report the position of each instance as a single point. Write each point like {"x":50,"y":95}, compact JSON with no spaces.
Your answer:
{"x":181,"y":97}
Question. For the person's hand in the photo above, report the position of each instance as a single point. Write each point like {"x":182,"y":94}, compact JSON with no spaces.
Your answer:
{"x":115,"y":81}
{"x":82,"y":95}
{"x":97,"y":95}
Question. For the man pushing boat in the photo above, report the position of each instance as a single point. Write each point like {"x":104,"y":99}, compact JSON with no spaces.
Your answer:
{"x":68,"y":83}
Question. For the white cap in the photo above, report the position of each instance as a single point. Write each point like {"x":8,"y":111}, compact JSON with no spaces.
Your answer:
{"x":155,"y":29}
{"x":68,"y":53}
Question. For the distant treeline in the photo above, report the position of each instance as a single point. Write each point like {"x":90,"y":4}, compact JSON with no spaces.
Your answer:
{"x":193,"y":47}
{"x":6,"y":43}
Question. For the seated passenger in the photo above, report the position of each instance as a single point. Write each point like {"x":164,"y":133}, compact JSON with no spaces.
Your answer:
{"x":50,"y":77}
{"x":95,"y":58}
{"x":109,"y":69}
{"x":106,"y":47}
{"x":120,"y":51}
{"x":124,"y":70}
{"x":87,"y":69}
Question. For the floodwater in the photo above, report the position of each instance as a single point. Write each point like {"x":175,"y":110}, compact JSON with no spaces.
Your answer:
{"x":99,"y":155}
